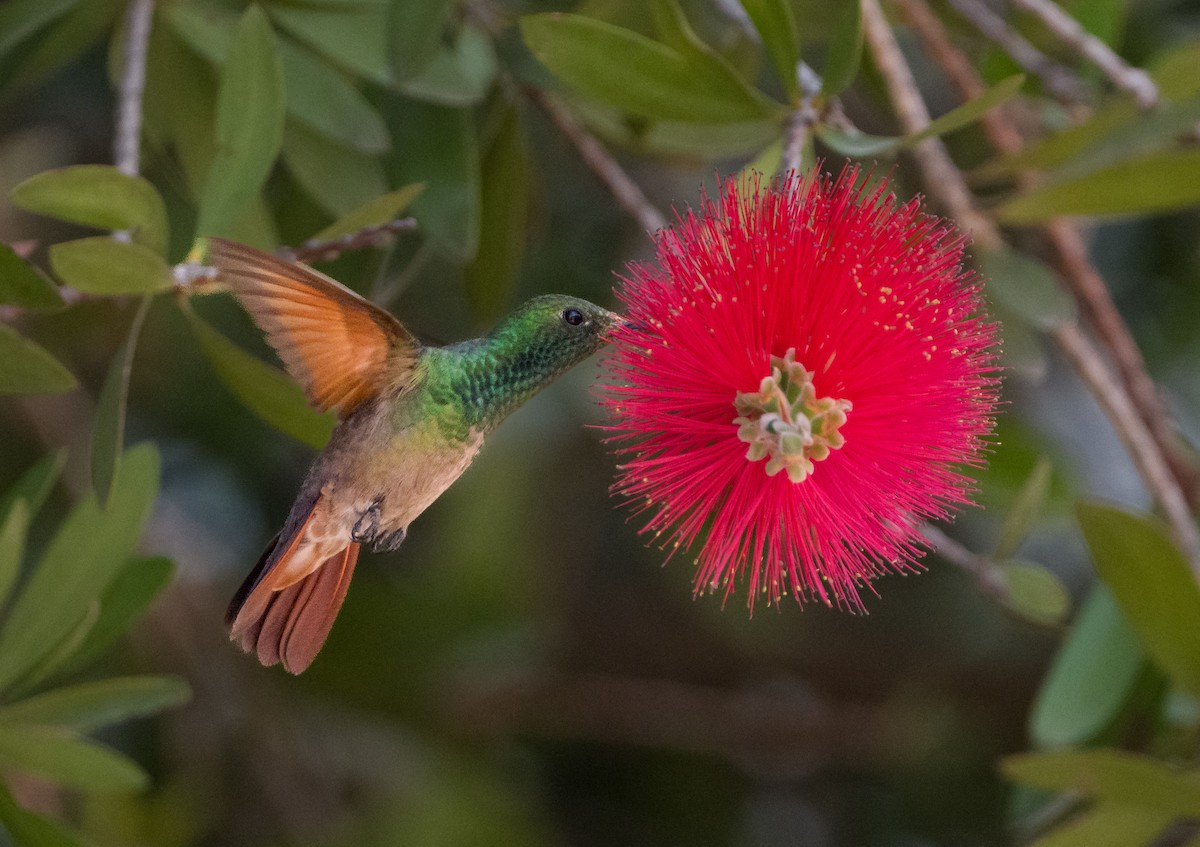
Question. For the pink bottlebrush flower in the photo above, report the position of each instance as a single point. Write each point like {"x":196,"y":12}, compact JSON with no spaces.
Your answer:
{"x":804,"y":377}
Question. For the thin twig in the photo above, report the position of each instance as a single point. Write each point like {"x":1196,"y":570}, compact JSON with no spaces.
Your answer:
{"x":600,"y":162}
{"x":127,"y":144}
{"x":1125,"y":77}
{"x":804,"y":117}
{"x":324,"y":250}
{"x":1059,"y":81}
{"x":985,"y":571}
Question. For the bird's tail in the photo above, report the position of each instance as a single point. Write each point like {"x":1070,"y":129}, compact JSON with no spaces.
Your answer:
{"x":285,"y":617}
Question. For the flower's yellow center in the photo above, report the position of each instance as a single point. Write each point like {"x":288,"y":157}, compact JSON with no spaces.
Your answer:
{"x":785,"y":421}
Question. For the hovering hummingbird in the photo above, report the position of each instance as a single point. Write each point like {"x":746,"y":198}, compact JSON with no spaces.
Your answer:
{"x":411,"y":420}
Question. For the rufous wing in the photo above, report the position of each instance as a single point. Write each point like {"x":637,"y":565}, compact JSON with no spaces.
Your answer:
{"x":341,"y":347}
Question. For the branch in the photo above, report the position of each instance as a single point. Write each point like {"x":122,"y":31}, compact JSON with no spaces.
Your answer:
{"x":327,"y":249}
{"x":986,"y":573}
{"x":600,"y":162}
{"x":804,"y":117}
{"x":1134,"y":80}
{"x":127,"y":144}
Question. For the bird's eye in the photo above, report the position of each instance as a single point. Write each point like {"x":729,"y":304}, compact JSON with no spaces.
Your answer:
{"x":574,"y":317}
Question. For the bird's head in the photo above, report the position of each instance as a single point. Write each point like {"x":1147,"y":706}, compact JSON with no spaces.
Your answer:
{"x":559,"y":330}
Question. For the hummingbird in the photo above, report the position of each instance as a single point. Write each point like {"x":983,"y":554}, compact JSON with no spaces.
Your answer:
{"x":411,"y":418}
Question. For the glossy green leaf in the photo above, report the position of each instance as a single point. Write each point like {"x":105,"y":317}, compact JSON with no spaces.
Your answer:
{"x":460,"y":74}
{"x":1025,"y":509}
{"x":124,"y":601}
{"x":1025,"y":287}
{"x":504,"y":224}
{"x":21,"y":284}
{"x":99,"y":196}
{"x":440,"y":150}
{"x":775,"y":23}
{"x":383,"y":209}
{"x":12,"y":546}
{"x":845,"y":49}
{"x":339,"y":180}
{"x":1126,"y":778}
{"x":89,"y":706}
{"x":627,"y":70}
{"x":1161,"y":182}
{"x":27,"y":829}
{"x":1035,"y":593}
{"x":415,"y":31}
{"x":63,"y":758}
{"x":249,"y":129}
{"x":858,"y":144}
{"x":108,"y":430}
{"x":327,"y":103}
{"x":265,"y":390}
{"x":85,"y":554}
{"x":354,"y":35}
{"x":1091,"y":679}
{"x":1109,"y":825}
{"x":21,"y":19}
{"x":1152,"y":583}
{"x":674,"y":138}
{"x":100,"y":265}
{"x":26,"y":368}
{"x":35,"y":484}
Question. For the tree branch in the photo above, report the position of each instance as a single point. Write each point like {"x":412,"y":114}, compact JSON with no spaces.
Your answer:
{"x":127,"y":143}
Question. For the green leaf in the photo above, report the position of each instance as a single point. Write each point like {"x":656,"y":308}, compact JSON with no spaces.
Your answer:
{"x":504,"y":223}
{"x":355,"y":35}
{"x":336,"y":178}
{"x":627,"y":70}
{"x":63,"y":758}
{"x":1025,"y":509}
{"x":383,"y":209}
{"x":12,"y":547}
{"x":858,"y":144}
{"x":1035,"y":593}
{"x":29,"y":830}
{"x":776,"y":25}
{"x":1091,"y":678}
{"x":415,"y":34}
{"x":265,"y":390}
{"x":441,"y":151}
{"x":1108,"y":825}
{"x":100,"y":265}
{"x":21,"y":19}
{"x":673,"y":138}
{"x":1153,"y":584}
{"x":325,"y":102}
{"x":968,"y":112}
{"x":460,"y":75}
{"x":845,"y":49}
{"x":26,"y":368}
{"x":1126,"y":778}
{"x":21,"y":284}
{"x":83,"y":557}
{"x":61,"y":44}
{"x":1025,"y":287}
{"x":250,"y":114}
{"x":89,"y":706}
{"x":124,"y":600}
{"x":35,"y":484}
{"x":99,"y":196}
{"x":108,"y":430}
{"x":1161,"y":182}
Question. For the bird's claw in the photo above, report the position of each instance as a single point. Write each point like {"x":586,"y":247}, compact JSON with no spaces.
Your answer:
{"x":366,"y":528}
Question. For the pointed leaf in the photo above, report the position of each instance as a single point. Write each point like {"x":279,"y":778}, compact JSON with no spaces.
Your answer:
{"x":124,"y":601}
{"x":504,"y":223}
{"x":354,"y":35}
{"x":250,"y":109}
{"x":265,"y":390}
{"x":776,"y":25}
{"x":100,"y":265}
{"x":99,"y":196}
{"x":1161,"y":182}
{"x":90,"y":706}
{"x":83,"y":557}
{"x":21,"y":284}
{"x":845,"y":49}
{"x":12,"y":547}
{"x":970,"y":111}
{"x":1026,"y":286}
{"x":1109,"y":825}
{"x":73,"y":762}
{"x":627,"y":70}
{"x":1153,"y":585}
{"x":383,"y":209}
{"x":1025,"y":509}
{"x":415,"y":34}
{"x":35,"y":484}
{"x":1035,"y":593}
{"x":108,"y":431}
{"x":1091,"y":678}
{"x":29,"y":830}
{"x":858,"y":144}
{"x":1126,"y":778}
{"x":461,"y":74}
{"x":338,"y":179}
{"x":26,"y":368}
{"x":325,"y":102}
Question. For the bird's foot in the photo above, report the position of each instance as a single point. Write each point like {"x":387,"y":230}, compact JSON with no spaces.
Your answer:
{"x":390,"y":541}
{"x":366,"y":528}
